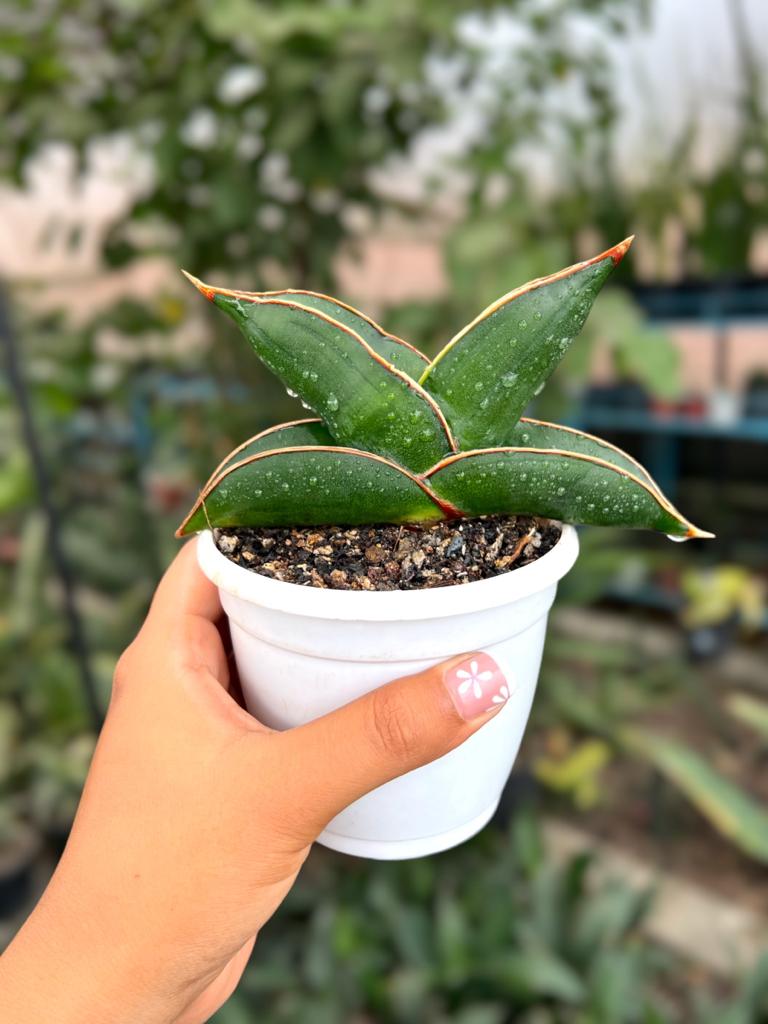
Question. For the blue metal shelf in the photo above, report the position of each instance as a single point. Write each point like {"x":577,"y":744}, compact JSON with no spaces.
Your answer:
{"x":745,"y":429}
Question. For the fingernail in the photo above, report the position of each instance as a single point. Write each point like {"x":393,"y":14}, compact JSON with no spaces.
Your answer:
{"x":476,"y":685}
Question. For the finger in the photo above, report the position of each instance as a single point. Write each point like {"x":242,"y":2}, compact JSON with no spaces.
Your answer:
{"x":185,"y":590}
{"x":388,"y":732}
{"x":185,"y":619}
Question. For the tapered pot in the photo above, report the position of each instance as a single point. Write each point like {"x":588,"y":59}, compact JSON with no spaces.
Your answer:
{"x":303,"y":651}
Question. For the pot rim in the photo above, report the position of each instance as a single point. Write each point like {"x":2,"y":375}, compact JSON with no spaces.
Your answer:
{"x":388,"y":605}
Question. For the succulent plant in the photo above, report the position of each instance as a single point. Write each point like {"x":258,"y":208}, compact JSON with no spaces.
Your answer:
{"x":402,"y":439}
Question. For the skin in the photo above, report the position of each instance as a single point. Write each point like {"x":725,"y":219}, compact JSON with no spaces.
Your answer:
{"x":195,"y":821}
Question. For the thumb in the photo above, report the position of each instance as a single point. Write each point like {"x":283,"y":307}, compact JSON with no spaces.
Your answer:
{"x":388,"y":732}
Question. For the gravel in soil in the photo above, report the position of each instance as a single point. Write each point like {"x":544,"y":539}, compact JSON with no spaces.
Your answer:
{"x":387,"y":557}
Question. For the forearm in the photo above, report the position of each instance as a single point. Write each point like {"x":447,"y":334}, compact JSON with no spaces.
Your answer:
{"x":63,"y":969}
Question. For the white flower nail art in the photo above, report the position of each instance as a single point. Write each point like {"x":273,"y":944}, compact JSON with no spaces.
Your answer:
{"x":473,"y":679}
{"x":501,"y":696}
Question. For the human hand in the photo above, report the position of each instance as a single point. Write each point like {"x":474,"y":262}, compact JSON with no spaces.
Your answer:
{"x":195,"y":820}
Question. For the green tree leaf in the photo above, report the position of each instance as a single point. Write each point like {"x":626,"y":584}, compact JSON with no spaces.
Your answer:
{"x":561,"y":485}
{"x":487,"y":374}
{"x":402,"y":355}
{"x":363,"y":400}
{"x":312,"y":486}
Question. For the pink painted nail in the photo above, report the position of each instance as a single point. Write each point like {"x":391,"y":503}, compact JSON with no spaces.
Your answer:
{"x":476,"y":686}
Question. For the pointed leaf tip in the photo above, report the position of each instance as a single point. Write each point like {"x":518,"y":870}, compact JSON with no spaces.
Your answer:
{"x":509,"y":351}
{"x":204,"y":289}
{"x":694,"y":533}
{"x":559,"y":484}
{"x":618,"y":252}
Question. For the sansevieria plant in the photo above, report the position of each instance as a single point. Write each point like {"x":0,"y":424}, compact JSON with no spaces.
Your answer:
{"x":400,"y":439}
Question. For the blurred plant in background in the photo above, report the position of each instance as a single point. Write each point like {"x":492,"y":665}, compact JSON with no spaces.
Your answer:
{"x":493,"y":933}
{"x":489,"y":934}
{"x":603,"y":704}
{"x":260,"y":122}
{"x":725,"y":593}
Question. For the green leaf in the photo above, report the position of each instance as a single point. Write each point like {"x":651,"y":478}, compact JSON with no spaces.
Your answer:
{"x":399,"y":353}
{"x":577,"y":774}
{"x":487,"y":374}
{"x":562,"y":485}
{"x":530,"y":433}
{"x":312,"y":486}
{"x":536,"y":974}
{"x":751,"y":711}
{"x":297,"y":434}
{"x":16,"y":483}
{"x":363,"y":400}
{"x":732,"y":811}
{"x":652,"y":359}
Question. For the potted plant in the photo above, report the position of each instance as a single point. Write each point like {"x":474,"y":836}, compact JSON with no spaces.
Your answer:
{"x":409,"y":453}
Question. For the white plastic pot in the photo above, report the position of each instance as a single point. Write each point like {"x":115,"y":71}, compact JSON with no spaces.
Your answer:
{"x":303,"y":651}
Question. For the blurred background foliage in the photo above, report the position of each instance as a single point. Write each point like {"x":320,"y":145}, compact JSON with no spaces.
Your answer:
{"x":272,"y":144}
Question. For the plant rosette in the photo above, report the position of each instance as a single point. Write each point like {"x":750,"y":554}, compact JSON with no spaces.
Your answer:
{"x":400,"y":439}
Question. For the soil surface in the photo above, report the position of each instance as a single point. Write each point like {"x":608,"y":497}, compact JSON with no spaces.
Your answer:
{"x":387,"y":557}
